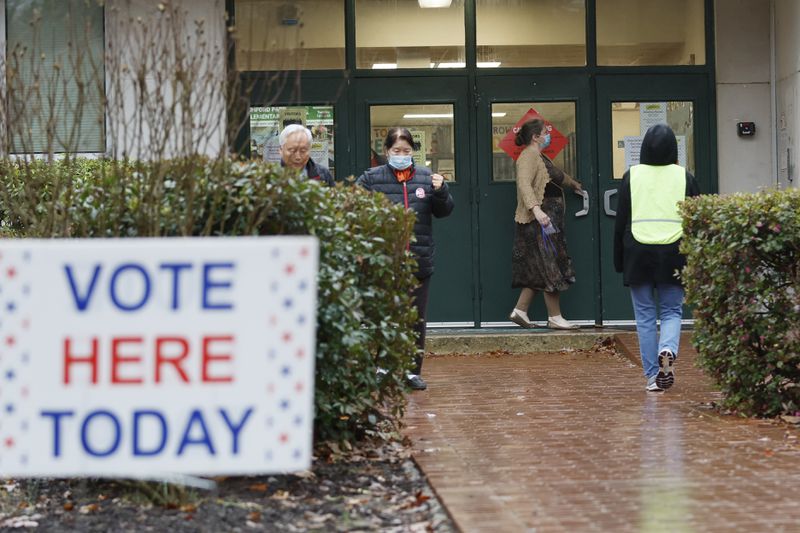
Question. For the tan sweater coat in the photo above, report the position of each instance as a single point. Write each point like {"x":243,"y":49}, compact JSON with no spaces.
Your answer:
{"x":532,"y":178}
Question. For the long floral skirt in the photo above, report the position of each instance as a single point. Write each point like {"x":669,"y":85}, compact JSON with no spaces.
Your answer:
{"x":537,"y":264}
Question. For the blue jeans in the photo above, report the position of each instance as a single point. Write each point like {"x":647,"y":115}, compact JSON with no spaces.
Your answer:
{"x":670,"y":311}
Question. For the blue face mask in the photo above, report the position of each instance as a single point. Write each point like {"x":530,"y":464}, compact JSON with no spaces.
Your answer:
{"x":546,"y":141}
{"x":400,"y":162}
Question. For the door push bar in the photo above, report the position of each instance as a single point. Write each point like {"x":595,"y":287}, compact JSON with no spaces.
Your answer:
{"x":585,"y":211}
{"x":607,"y":202}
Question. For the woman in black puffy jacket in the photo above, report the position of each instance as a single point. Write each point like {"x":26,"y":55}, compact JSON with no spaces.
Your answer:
{"x":427,"y":194}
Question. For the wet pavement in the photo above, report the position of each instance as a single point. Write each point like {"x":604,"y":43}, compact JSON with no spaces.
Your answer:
{"x":572,"y":442}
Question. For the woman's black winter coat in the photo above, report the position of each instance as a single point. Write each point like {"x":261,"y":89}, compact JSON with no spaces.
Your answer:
{"x":426,"y":203}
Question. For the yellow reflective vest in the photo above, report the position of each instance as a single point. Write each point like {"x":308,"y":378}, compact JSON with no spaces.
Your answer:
{"x":655,"y":193}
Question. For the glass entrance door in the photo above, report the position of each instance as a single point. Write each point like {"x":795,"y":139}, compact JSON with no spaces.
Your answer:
{"x":563,"y":102}
{"x":626,"y":107}
{"x":436,"y":113}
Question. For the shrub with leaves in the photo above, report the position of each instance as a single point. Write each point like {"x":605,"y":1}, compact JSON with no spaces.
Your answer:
{"x":365,"y":316}
{"x":743,"y":279}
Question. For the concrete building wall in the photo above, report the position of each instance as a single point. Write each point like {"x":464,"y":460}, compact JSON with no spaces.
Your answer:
{"x":2,"y":72}
{"x":2,"y":31}
{"x":787,"y":37}
{"x":743,"y":94}
{"x":154,"y":111}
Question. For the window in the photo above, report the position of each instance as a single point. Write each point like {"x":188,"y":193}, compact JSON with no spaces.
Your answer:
{"x":55,"y":76}
{"x":535,"y":33}
{"x":630,"y":121}
{"x":397,"y":34}
{"x":560,"y":120}
{"x":281,"y":35}
{"x":266,"y":124}
{"x":431,"y":126}
{"x":651,"y":32}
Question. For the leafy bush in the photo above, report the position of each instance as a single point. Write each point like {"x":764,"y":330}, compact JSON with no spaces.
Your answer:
{"x":743,"y":278}
{"x":365,"y":315}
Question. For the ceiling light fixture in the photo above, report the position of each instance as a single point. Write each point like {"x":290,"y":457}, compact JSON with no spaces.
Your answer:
{"x":383,"y":66}
{"x":428,"y":115}
{"x":488,"y":64}
{"x":444,"y":115}
{"x":434,"y":3}
{"x":455,"y":64}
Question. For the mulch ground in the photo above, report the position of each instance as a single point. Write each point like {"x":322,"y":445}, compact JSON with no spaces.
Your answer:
{"x":374,"y":487}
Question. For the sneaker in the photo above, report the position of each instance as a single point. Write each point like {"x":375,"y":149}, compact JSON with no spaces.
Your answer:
{"x":559,"y":322}
{"x":520,"y":318}
{"x":652,"y":386}
{"x":666,"y":374}
{"x":416,"y":382}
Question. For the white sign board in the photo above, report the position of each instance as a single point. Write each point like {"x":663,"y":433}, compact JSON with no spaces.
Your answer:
{"x":633,"y":150}
{"x":681,"y":150}
{"x":150,"y":357}
{"x":650,"y":114}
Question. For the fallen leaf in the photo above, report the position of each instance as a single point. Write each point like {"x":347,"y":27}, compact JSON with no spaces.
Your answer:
{"x":90,"y":508}
{"x":258,"y":487}
{"x":188,"y":508}
{"x":422,"y":498}
{"x":102,"y":497}
{"x":319,"y":518}
{"x":255,"y":516}
{"x":280,"y":495}
{"x":69,"y":506}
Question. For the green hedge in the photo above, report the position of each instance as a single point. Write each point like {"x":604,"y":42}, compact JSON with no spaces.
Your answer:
{"x":743,"y":279}
{"x":365,"y":315}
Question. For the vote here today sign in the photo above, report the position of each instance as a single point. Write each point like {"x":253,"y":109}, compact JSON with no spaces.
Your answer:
{"x":154,"y":357}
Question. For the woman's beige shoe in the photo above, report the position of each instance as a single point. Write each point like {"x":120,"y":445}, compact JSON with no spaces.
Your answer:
{"x":559,"y":322}
{"x":520,"y":318}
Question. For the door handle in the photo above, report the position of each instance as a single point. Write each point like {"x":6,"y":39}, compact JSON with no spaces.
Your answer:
{"x":607,"y":202}
{"x":585,"y":211}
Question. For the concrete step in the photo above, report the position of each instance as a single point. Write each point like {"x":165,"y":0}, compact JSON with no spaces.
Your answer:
{"x":474,"y":341}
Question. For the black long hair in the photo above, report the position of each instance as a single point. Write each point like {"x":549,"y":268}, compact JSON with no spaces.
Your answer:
{"x":398,"y":134}
{"x":528,"y":131}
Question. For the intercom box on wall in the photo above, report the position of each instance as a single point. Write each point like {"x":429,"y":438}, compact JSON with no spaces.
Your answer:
{"x":746,"y":129}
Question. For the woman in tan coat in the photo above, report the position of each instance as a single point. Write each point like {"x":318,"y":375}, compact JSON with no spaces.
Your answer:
{"x":540,"y":262}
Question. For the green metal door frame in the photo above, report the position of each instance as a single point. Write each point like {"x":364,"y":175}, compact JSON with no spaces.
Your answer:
{"x":497,"y":199}
{"x":656,"y":88}
{"x":452,"y":298}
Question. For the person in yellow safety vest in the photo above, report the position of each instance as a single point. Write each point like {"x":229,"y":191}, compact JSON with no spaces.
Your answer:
{"x":647,"y":234}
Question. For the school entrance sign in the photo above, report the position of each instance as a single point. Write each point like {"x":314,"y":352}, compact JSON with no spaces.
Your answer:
{"x":151,"y":357}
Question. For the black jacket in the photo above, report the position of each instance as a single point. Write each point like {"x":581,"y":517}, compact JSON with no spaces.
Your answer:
{"x":648,"y":263}
{"x":317,"y":172}
{"x":425,"y":202}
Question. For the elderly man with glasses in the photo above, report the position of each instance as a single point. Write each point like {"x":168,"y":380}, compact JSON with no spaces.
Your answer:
{"x":295,"y":150}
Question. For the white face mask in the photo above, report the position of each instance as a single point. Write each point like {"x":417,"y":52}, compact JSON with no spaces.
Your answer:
{"x":400,"y":162}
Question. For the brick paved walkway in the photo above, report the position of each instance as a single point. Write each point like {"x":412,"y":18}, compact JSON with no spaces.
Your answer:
{"x":572,"y":442}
